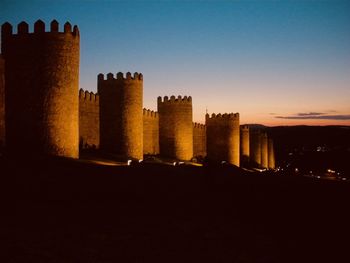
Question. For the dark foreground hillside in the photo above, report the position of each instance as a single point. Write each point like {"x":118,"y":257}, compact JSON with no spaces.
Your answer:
{"x":66,"y":211}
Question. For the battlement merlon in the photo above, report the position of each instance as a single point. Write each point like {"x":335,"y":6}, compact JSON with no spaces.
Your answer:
{"x":197,"y":125}
{"x":244,"y":127}
{"x":119,"y":76}
{"x":39,"y":28}
{"x":150,"y":113}
{"x":225,"y":116}
{"x":173,"y":99}
{"x":88,"y":96}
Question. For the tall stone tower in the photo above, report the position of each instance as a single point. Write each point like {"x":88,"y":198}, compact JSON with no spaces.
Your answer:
{"x":271,"y":157}
{"x":175,"y":127}
{"x":223,"y":137}
{"x":255,"y":148}
{"x":244,"y":144}
{"x":42,"y":76}
{"x":2,"y":102}
{"x":264,"y":150}
{"x":121,"y":114}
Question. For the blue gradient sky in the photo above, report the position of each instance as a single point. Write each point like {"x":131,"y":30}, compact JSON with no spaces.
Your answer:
{"x":274,"y":62}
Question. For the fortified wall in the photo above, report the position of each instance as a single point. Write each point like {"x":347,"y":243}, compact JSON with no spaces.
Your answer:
{"x":271,"y":158}
{"x":223,"y":137}
{"x":255,"y":148}
{"x":121,"y":114}
{"x":42,"y":74}
{"x":245,"y":152}
{"x":2,"y":102}
{"x":150,"y":132}
{"x":89,"y":120}
{"x":199,"y":140}
{"x":264,"y":150}
{"x":175,"y":127}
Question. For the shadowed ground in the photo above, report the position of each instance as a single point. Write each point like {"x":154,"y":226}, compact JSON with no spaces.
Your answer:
{"x":68,"y":211}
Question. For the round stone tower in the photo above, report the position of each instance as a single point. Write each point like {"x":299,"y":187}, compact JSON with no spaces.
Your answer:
{"x":223,"y":137}
{"x":264,"y":150}
{"x":271,"y":154}
{"x":244,"y":144}
{"x":41,"y":75}
{"x":121,"y":114}
{"x":255,"y":148}
{"x":175,"y":127}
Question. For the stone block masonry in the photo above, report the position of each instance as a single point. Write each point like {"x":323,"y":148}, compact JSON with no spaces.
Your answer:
{"x":41,"y":76}
{"x":150,"y":132}
{"x":89,"y":120}
{"x":175,"y":127}
{"x":255,"y":148}
{"x":245,"y":153}
{"x":199,"y":140}
{"x":121,"y":114}
{"x":223,"y":137}
{"x":271,"y":158}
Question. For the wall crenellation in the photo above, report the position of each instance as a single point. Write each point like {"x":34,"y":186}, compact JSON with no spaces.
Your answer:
{"x":39,"y":28}
{"x":86,"y":95}
{"x":150,"y":113}
{"x":173,"y":99}
{"x":199,"y":125}
{"x":245,"y":127}
{"x":119,"y":76}
{"x":223,"y":116}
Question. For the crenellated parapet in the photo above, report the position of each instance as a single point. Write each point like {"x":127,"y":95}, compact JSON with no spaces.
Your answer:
{"x":85,"y":95}
{"x":200,"y":126}
{"x":39,"y":28}
{"x":120,"y":77}
{"x":42,"y":66}
{"x":225,"y":116}
{"x":244,"y":127}
{"x":222,"y":119}
{"x":39,"y":32}
{"x":173,"y":99}
{"x":150,"y":113}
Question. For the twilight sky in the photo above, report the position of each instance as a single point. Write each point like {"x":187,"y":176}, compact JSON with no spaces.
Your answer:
{"x":274,"y":62}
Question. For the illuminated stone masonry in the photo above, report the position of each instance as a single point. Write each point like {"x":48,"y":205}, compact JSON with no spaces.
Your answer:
{"x":46,"y":114}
